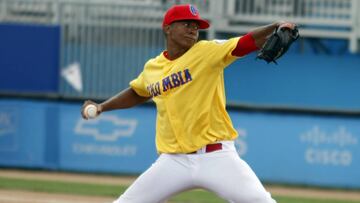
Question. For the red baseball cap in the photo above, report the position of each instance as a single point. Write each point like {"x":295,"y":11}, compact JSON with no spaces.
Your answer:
{"x":184,"y":12}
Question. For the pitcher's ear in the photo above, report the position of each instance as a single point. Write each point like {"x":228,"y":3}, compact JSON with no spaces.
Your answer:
{"x":166,"y":29}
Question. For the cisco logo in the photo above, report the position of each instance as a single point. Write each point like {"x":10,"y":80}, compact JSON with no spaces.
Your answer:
{"x":328,"y":147}
{"x":341,"y":137}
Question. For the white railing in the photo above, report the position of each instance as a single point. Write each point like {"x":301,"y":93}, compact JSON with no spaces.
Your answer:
{"x":111,"y":42}
{"x":318,"y":18}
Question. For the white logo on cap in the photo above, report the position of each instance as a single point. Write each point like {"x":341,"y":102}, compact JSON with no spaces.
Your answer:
{"x":193,"y":10}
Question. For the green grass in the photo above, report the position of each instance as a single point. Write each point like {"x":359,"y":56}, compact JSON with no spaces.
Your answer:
{"x":61,"y":187}
{"x":194,"y":196}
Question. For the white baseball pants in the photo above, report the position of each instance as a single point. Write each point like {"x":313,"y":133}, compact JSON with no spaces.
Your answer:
{"x":221,"y":172}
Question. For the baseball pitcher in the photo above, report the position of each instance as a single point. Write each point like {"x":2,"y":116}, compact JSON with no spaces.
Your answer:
{"x":194,"y":133}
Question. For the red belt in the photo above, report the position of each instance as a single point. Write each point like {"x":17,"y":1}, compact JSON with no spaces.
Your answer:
{"x":210,"y":148}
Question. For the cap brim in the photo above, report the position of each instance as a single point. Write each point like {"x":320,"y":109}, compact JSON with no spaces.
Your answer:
{"x":203,"y":24}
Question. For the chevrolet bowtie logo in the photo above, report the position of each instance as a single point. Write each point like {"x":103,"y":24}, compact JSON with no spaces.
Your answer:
{"x":119,"y":127}
{"x":7,"y":121}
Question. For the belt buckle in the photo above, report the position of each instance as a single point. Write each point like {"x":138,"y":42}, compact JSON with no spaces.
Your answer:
{"x":213,"y":147}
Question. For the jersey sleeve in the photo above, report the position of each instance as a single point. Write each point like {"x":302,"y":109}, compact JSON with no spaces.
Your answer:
{"x":139,"y":86}
{"x":220,"y":51}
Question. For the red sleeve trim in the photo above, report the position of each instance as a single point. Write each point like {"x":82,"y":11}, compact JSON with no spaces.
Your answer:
{"x":245,"y":45}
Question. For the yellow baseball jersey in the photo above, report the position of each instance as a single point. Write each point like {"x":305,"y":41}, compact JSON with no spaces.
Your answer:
{"x":190,"y":98}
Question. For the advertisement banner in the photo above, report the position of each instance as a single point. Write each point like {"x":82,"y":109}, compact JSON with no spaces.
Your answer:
{"x":22,"y":134}
{"x":120,"y":141}
{"x":280,"y":147}
{"x":301,"y":149}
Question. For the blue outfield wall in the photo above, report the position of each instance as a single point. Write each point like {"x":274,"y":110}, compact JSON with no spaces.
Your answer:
{"x":29,"y":58}
{"x":54,"y":136}
{"x":303,"y":78}
{"x":299,"y":80}
{"x":282,"y":148}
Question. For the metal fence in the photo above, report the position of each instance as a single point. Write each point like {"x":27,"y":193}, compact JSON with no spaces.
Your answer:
{"x":111,"y":42}
{"x":112,"y":39}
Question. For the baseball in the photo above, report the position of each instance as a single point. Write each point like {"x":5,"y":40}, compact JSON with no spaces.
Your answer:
{"x":90,"y":111}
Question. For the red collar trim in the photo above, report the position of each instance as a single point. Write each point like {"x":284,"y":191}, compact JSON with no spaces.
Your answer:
{"x":166,"y":55}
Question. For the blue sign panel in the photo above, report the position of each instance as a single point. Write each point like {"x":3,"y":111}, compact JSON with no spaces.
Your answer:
{"x":281,"y":148}
{"x":29,"y":58}
{"x":301,"y":149}
{"x":299,"y":80}
{"x":22,"y":126}
{"x":9,"y":124}
{"x":120,"y":141}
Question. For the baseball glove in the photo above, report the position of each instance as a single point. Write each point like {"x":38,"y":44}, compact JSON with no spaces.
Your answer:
{"x":278,"y":43}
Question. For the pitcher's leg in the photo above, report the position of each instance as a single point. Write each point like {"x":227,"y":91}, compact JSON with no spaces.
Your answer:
{"x":166,"y":177}
{"x":232,"y":179}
